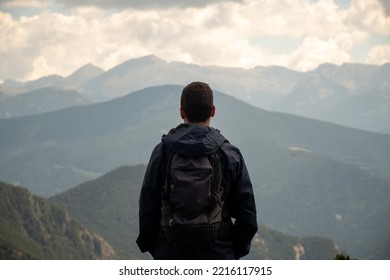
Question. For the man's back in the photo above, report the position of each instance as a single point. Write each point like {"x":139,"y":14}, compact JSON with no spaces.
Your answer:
{"x":233,"y":240}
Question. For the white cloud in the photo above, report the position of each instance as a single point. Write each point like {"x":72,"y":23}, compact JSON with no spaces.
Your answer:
{"x":24,"y":4}
{"x":47,"y":43}
{"x":379,"y":55}
{"x":219,"y":34}
{"x":370,"y":16}
{"x":140,"y":4}
{"x":315,"y":51}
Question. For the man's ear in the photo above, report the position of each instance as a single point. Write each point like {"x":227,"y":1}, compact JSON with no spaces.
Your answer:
{"x":212,"y":113}
{"x":182,"y":113}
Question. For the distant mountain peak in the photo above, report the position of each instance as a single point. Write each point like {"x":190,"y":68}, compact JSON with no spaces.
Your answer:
{"x":82,"y":75}
{"x":87,"y":70}
{"x":326,"y":68}
{"x":43,"y":82}
{"x":149,"y":57}
{"x":140,"y":61}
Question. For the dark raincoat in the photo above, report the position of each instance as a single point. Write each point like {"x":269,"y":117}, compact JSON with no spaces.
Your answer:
{"x":239,"y":223}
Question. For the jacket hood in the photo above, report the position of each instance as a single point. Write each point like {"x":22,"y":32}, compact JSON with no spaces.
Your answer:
{"x":194,"y":140}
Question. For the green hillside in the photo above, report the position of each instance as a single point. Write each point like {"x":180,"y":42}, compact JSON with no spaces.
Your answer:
{"x":108,"y":205}
{"x":329,"y":198}
{"x":269,"y":244}
{"x":33,"y":228}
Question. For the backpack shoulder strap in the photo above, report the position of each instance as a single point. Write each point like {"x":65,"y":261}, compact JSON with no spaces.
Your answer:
{"x":215,"y":162}
{"x":168,"y":179}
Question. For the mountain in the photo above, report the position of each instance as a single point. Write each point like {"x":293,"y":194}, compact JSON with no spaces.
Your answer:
{"x":261,"y":84}
{"x":364,"y":102}
{"x":82,"y":75}
{"x":40,"y":101}
{"x":109,"y":206}
{"x":33,"y":228}
{"x":381,"y":77}
{"x":73,"y":81}
{"x":6,"y":92}
{"x":2,"y":96}
{"x":310,"y":177}
{"x":46,"y":94}
{"x":369,"y":111}
{"x":68,"y":147}
{"x":310,"y":94}
{"x":313,"y":95}
{"x":124,"y":131}
{"x":128,"y":76}
{"x":329,"y":198}
{"x":317,"y":96}
{"x":44,"y":82}
{"x":12,"y":84}
{"x":353,"y":76}
{"x":269,"y":244}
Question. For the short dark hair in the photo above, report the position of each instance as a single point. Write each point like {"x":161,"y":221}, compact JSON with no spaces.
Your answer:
{"x":197,"y":101}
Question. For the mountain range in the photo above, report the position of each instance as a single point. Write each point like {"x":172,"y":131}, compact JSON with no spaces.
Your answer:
{"x":334,"y":93}
{"x":73,"y":81}
{"x":311,"y":178}
{"x":41,"y":100}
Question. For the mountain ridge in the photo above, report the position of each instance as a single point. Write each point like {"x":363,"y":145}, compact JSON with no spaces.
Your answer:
{"x":265,"y":87}
{"x":40,"y":100}
{"x":120,"y":118}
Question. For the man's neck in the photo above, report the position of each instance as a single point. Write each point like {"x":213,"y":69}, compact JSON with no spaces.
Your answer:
{"x":205,"y":123}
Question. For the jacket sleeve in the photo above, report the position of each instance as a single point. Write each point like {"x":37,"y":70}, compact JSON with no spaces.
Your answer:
{"x":150,"y":202}
{"x":244,"y":210}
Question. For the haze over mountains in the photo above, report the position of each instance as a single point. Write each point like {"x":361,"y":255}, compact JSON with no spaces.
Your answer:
{"x":333,"y":93}
{"x":311,"y":178}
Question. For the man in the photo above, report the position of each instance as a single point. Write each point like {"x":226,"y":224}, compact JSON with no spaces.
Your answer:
{"x":196,"y":138}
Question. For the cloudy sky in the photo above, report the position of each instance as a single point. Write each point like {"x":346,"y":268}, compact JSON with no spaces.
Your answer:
{"x":42,"y":37}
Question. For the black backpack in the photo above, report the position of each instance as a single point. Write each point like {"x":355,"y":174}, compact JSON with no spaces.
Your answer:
{"x":192,"y":199}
